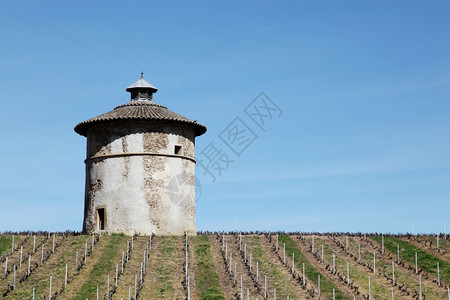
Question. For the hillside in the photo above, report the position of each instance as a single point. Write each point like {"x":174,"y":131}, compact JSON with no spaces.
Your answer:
{"x":223,"y":266}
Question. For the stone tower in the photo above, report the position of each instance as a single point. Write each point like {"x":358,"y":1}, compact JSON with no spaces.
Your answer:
{"x":140,"y":167}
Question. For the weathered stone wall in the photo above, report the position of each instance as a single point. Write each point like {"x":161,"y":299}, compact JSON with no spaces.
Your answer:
{"x":141,"y":193}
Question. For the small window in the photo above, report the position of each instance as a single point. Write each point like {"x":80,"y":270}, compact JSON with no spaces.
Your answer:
{"x":178,"y":150}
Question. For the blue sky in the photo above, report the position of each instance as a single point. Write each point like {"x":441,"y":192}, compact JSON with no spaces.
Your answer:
{"x":364,"y":87}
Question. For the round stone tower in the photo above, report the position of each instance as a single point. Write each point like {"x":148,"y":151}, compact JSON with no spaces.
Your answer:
{"x":140,"y":168}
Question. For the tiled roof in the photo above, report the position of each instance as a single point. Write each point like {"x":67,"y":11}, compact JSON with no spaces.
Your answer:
{"x":139,"y":110}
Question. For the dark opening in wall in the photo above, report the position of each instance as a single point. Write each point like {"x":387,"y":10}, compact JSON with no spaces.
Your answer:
{"x":178,"y":150}
{"x":101,"y":220}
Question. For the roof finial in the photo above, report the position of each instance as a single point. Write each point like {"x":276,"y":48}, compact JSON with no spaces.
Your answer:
{"x":142,"y":74}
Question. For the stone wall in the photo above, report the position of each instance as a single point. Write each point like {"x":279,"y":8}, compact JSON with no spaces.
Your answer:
{"x":132,"y":171}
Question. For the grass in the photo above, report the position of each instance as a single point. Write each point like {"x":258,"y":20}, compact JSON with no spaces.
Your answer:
{"x":207,"y":280}
{"x":326,"y":286}
{"x":268,"y":267}
{"x":5,"y":243}
{"x":104,"y":264}
{"x":425,"y":260}
{"x":164,"y":271}
{"x":361,"y":278}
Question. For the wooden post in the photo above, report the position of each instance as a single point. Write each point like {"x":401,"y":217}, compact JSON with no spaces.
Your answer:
{"x":231,"y":261}
{"x":33,"y":293}
{"x":392,"y":293}
{"x":257,"y":272}
{"x":276,"y":247}
{"x":53,"y":246}
{"x":304,"y":283}
{"x":85,"y":252}
{"x":348,"y":274}
{"x":92,"y":243}
{"x":128,"y":249}
{"x":42,"y":254}
{"x":322,"y":254}
{"x":398,"y":253}
{"x":437,"y":241}
{"x":420,"y":287}
{"x":240,"y":241}
{"x":50,"y":289}
{"x":14,"y":280}
{"x":12,"y":245}
{"x":107,"y":289}
{"x":123,"y":256}
{"x":135,"y":286}
{"x":21,"y":253}
{"x":312,"y":248}
{"x":129,"y":293}
{"x":393,"y":273}
{"x":189,"y":288}
{"x":369,"y":289}
{"x":65,"y":278}
{"x":186,"y":261}
{"x":234,"y":274}
{"x":374,"y":263}
{"x":359,"y":253}
{"x":226,"y":251}
{"x":274,"y":294}
{"x":34,"y":244}
{"x":416,"y":262}
{"x":117,"y":275}
{"x":382,"y":244}
{"x":251,"y":262}
{"x":293,"y":263}
{"x":265,"y":286}
{"x":334,"y":296}
{"x":145,"y":258}
{"x":318,"y":285}
{"x":242,"y":289}
{"x":97,"y":293}
{"x":284,"y":253}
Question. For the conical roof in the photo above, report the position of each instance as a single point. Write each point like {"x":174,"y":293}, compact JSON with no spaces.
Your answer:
{"x":139,"y":110}
{"x":142,"y":84}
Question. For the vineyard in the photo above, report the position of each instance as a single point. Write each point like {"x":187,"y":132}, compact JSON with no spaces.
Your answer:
{"x":230,"y":265}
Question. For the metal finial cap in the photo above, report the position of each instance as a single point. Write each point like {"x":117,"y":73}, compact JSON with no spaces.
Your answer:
{"x":143,"y":85}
